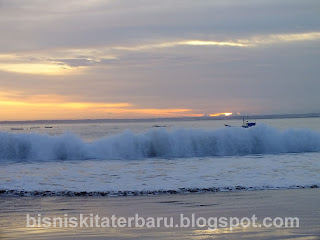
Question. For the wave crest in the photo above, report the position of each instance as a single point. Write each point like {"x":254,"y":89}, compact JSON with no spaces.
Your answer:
{"x":160,"y":143}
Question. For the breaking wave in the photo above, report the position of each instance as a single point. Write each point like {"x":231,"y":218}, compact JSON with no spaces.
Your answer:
{"x":160,"y":143}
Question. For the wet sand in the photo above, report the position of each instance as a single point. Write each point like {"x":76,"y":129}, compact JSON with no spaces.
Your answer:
{"x":301,"y":203}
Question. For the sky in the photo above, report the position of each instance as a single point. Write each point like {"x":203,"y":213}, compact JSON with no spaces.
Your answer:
{"x":73,"y":59}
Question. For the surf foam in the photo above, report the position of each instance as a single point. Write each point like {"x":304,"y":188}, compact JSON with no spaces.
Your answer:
{"x":160,"y":143}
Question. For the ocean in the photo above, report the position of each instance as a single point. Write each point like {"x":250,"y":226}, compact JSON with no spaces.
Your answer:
{"x":177,"y":157}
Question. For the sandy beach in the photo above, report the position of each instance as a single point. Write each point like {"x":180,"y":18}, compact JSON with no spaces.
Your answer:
{"x":301,"y":203}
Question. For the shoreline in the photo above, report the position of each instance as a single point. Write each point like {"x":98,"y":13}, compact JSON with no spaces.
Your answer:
{"x":301,"y":203}
{"x":129,"y":193}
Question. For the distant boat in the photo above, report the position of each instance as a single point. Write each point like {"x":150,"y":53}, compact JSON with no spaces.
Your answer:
{"x":249,"y":124}
{"x":33,"y":127}
{"x":245,"y":124}
{"x":47,"y":127}
{"x":157,"y":126}
{"x":17,"y":128}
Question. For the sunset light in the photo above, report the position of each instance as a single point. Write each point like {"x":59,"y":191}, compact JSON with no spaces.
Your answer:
{"x":220,"y":114}
{"x":37,"y":68}
{"x":58,"y":107}
{"x":90,"y":69}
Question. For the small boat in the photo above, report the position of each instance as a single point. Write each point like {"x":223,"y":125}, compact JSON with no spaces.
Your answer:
{"x":33,"y":127}
{"x":249,"y":124}
{"x":245,"y":124}
{"x":47,"y":127}
{"x":157,"y":126}
{"x":15,"y":129}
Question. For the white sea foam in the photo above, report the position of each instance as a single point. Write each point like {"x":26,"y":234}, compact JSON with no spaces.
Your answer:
{"x":159,"y":143}
{"x":157,"y":176}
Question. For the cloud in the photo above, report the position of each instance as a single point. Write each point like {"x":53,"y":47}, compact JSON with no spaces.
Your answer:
{"x":251,"y":41}
{"x":37,"y":68}
{"x":71,"y":61}
{"x":204,"y":56}
{"x":283,"y":38}
{"x":181,"y":43}
{"x":42,"y":24}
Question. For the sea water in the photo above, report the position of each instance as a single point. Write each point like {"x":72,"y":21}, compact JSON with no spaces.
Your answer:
{"x":136,"y":158}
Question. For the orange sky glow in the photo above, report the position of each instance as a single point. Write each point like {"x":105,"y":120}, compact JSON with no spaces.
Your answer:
{"x":120,"y":60}
{"x":56,"y":107}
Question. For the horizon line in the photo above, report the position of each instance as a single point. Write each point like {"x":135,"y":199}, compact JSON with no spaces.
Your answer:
{"x":220,"y":117}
